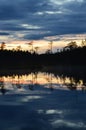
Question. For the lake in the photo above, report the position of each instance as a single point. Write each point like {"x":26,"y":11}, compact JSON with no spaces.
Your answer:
{"x":43,"y":100}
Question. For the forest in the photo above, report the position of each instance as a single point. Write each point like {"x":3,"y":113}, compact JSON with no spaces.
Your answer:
{"x":70,"y":55}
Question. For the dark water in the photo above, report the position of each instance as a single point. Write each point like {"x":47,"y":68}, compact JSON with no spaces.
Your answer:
{"x":42,"y":101}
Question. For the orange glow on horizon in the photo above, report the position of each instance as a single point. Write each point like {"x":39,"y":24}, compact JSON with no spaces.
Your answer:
{"x":59,"y":41}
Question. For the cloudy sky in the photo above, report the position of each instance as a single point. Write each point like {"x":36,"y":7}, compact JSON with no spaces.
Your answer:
{"x":24,"y":20}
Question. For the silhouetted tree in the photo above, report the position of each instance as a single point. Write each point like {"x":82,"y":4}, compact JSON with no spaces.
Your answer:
{"x":31,"y":86}
{"x":48,"y":51}
{"x":70,"y":46}
{"x":19,"y":48}
{"x":58,"y":50}
{"x":72,"y":85}
{"x":50,"y":46}
{"x":36,"y":49}
{"x":3,"y":45}
{"x":2,"y":88}
{"x":31,"y":45}
{"x":83,"y":43}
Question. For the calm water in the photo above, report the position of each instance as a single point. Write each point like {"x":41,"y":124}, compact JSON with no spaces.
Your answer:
{"x":42,"y":101}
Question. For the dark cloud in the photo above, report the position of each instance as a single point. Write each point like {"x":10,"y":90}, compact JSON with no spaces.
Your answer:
{"x":51,"y":17}
{"x":38,"y":35}
{"x":12,"y":27}
{"x":4,"y":34}
{"x":9,"y":12}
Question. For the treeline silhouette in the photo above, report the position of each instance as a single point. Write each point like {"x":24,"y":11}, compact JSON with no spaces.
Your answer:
{"x":24,"y":59}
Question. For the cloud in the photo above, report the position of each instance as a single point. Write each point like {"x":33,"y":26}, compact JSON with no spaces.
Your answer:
{"x":41,"y":18}
{"x":4,"y":33}
{"x":37,"y":35}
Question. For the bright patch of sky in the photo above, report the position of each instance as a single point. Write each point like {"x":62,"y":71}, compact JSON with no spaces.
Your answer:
{"x":28,"y":26}
{"x":42,"y":20}
{"x":62,"y":2}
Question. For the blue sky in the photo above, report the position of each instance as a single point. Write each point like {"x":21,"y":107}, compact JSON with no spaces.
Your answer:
{"x":39,"y":19}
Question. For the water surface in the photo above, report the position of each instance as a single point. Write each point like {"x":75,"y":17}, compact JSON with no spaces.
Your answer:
{"x":42,"y":100}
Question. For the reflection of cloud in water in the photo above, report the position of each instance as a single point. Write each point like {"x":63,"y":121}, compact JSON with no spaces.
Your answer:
{"x":10,"y":103}
{"x":19,"y":97}
{"x":18,"y":100}
{"x":25,"y":109}
{"x":50,"y":111}
{"x":54,"y":112}
{"x":63,"y":123}
{"x":30,"y":98}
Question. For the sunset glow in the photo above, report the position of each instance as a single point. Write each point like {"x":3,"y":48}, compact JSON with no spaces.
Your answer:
{"x":58,"y":42}
{"x":45,"y":21}
{"x":42,"y":64}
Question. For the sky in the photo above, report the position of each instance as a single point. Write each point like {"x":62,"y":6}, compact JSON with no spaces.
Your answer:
{"x":41,"y":21}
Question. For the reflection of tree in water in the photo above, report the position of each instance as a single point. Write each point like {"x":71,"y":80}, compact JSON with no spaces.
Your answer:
{"x":35,"y":78}
{"x":49,"y":79}
{"x":12,"y":80}
{"x":70,"y":82}
{"x":18,"y":83}
{"x":31,"y":85}
{"x":72,"y":85}
{"x":2,"y":88}
{"x":34,"y":82}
